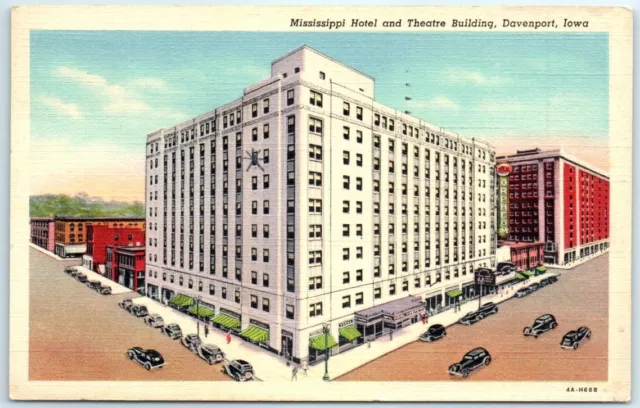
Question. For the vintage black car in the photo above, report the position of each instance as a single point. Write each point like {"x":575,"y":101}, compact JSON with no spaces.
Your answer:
{"x":542,"y":325}
{"x":544,"y":282}
{"x":239,"y":370}
{"x":69,"y":270}
{"x":82,"y":278}
{"x":534,"y":287}
{"x":192,"y":342}
{"x":154,"y":321}
{"x":435,"y":332}
{"x":210,"y":353}
{"x":522,"y":292}
{"x":484,"y":311}
{"x":147,"y":358}
{"x":474,"y":359}
{"x":553,"y":279}
{"x":573,"y":339}
{"x":139,"y":310}
{"x":125,"y":304}
{"x":505,"y":268}
{"x":172,"y":330}
{"x":104,"y":290}
{"x":93,"y":284}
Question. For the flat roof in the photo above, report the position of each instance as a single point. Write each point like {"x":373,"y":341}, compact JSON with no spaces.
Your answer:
{"x":130,"y":248}
{"x":395,"y":306}
{"x":77,"y":218}
{"x":519,"y":245}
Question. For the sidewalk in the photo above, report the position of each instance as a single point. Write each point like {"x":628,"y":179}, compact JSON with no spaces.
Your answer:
{"x":341,"y":364}
{"x":578,"y":262}
{"x":268,"y":366}
{"x":51,"y":254}
{"x":116,"y":288}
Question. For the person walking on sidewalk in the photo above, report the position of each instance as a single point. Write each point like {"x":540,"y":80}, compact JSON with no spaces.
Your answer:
{"x":206,"y":331}
{"x":294,"y":373}
{"x":390,"y":335}
{"x":424,"y":319}
{"x":228,"y":337}
{"x":305,"y":367}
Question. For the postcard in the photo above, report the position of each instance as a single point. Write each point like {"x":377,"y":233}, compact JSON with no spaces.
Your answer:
{"x":321,"y":203}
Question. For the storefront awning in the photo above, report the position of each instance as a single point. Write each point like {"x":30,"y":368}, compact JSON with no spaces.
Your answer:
{"x":181,"y":300}
{"x":255,"y":334}
{"x":454,"y":293}
{"x":226,"y":321}
{"x":521,"y":276}
{"x":201,"y":311}
{"x":350,"y":333}
{"x":541,"y":269}
{"x":320,"y":342}
{"x":527,"y":273}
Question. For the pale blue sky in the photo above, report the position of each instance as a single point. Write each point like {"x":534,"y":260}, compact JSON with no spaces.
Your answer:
{"x":115,"y":87}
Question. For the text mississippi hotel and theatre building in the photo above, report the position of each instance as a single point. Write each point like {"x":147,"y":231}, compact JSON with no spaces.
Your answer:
{"x":353,"y":205}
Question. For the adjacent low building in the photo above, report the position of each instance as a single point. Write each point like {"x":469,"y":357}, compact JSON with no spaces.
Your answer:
{"x":125,"y":265}
{"x":525,"y":255}
{"x":101,"y":235}
{"x":43,"y":232}
{"x":71,"y":232}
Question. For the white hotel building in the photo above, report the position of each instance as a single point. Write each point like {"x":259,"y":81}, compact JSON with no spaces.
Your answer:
{"x":354,"y":205}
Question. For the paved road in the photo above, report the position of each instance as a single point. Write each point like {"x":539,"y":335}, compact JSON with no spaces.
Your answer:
{"x":579,"y":298}
{"x":77,"y":334}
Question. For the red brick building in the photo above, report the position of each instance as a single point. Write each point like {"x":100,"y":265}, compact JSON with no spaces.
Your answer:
{"x":559,"y":201}
{"x":125,"y":265}
{"x":99,"y":236}
{"x":525,"y":255}
{"x":43,"y":232}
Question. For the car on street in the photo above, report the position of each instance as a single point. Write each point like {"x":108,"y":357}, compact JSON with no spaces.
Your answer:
{"x":553,"y":279}
{"x":125,"y":304}
{"x":481,"y":313}
{"x":69,"y":270}
{"x":522,"y":292}
{"x":82,"y":278}
{"x":435,"y":332}
{"x":172,"y":330}
{"x":239,"y":370}
{"x":139,"y":310}
{"x":147,"y":358}
{"x":210,"y":353}
{"x":154,"y":321}
{"x":535,"y":287}
{"x":541,"y":325}
{"x":544,"y":282}
{"x":476,"y":358}
{"x":93,"y":284}
{"x":104,"y":290}
{"x":192,"y":342}
{"x":572,"y":339}
{"x":505,"y":268}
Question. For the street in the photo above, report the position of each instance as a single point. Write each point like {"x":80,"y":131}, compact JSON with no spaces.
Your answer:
{"x":579,"y":298}
{"x":77,"y":334}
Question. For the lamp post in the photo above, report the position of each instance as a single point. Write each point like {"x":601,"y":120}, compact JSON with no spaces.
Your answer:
{"x":198,"y":313}
{"x":325,"y":330}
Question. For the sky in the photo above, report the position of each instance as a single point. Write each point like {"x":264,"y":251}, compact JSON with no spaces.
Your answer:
{"x":95,"y":95}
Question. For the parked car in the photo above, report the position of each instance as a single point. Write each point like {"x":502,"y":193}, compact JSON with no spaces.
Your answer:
{"x":69,"y":270}
{"x":534,"y":287}
{"x":192,"y":342}
{"x":74,"y":273}
{"x":239,"y":370}
{"x":82,"y":278}
{"x":471,"y":361}
{"x":505,"y":268}
{"x":435,"y":332}
{"x":147,"y":358}
{"x":544,"y":282}
{"x":572,"y":339}
{"x":522,"y":292}
{"x":553,"y":279}
{"x":172,"y":330}
{"x":473,"y":317}
{"x":210,"y":353}
{"x":104,"y":290}
{"x":139,"y":310}
{"x":125,"y":304}
{"x":542,"y":325}
{"x":154,"y":321}
{"x":93,"y":284}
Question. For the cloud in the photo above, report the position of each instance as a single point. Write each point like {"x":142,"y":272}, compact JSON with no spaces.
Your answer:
{"x":437,"y":102}
{"x":119,"y":99}
{"x":505,"y":106}
{"x":155,"y":84}
{"x":474,"y":77}
{"x":69,"y":109}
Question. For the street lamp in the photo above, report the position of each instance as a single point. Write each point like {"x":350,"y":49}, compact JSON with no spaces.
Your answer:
{"x":325,"y":330}
{"x":198,"y":313}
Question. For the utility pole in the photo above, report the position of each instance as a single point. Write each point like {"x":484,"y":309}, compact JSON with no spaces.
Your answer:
{"x":325,"y":329}
{"x":198,"y":314}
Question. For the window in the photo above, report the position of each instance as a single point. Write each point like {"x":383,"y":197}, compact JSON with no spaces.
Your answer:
{"x":265,"y":231}
{"x":359,"y":183}
{"x":322,"y":75}
{"x":265,"y":255}
{"x":265,"y":304}
{"x":289,"y":312}
{"x":346,"y":109}
{"x":345,"y":132}
{"x":316,"y":99}
{"x":359,"y":275}
{"x":237,"y":296}
{"x":359,"y":159}
{"x":345,"y":206}
{"x":254,"y":110}
{"x":359,"y":298}
{"x":345,"y":278}
{"x":392,"y":289}
{"x":265,"y":106}
{"x":265,"y":131}
{"x":359,"y":207}
{"x":359,"y":136}
{"x":315,"y":309}
{"x":346,"y":182}
{"x":376,"y":119}
{"x":254,"y":182}
{"x":405,"y":286}
{"x":315,"y":152}
{"x":254,"y":207}
{"x":265,"y":280}
{"x":315,"y":206}
{"x":212,"y":290}
{"x":358,"y":113}
{"x":346,"y":302}
{"x":345,"y":254}
{"x":345,"y":157}
{"x":315,"y":179}
{"x":291,"y":178}
{"x":265,"y":181}
{"x":315,"y":231}
{"x":358,"y":230}
{"x":359,"y":252}
{"x":265,"y":207}
{"x":254,"y":254}
{"x":265,"y":156}
{"x":377,"y":293}
{"x":254,"y":301}
{"x":290,"y":97}
{"x":254,"y":277}
{"x":224,"y":293}
{"x":345,"y":230}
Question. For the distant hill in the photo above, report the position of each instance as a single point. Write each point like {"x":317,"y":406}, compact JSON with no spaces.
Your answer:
{"x":82,"y":205}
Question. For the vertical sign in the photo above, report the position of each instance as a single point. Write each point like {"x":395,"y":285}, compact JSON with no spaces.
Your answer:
{"x":503,"y":170}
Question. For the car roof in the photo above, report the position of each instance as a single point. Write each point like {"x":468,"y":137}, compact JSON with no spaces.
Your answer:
{"x":152,"y":352}
{"x":156,"y":315}
{"x":210,"y":346}
{"x":476,"y":351}
{"x":545,"y":316}
{"x":571,"y":333}
{"x":583,"y":328}
{"x":243,"y":362}
{"x":192,"y":335}
{"x":488,"y":304}
{"x":436,"y":326}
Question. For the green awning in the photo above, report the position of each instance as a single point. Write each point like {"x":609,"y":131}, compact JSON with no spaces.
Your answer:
{"x":350,"y":333}
{"x":521,"y":276}
{"x":255,"y":334}
{"x":541,"y":269}
{"x":454,"y":293}
{"x":226,"y":321}
{"x":527,"y":273}
{"x":201,"y":311}
{"x":181,"y":300}
{"x":319,"y":342}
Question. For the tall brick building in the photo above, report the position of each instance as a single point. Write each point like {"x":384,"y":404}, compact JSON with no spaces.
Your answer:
{"x":559,"y":200}
{"x":99,"y":236}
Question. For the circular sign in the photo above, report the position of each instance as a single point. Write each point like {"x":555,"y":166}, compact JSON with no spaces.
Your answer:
{"x":503,"y":169}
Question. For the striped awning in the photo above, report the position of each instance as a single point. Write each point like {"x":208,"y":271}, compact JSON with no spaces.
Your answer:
{"x":320,"y":342}
{"x":255,"y":334}
{"x":454,"y":293}
{"x":201,"y":311}
{"x":350,"y":332}
{"x":226,"y":321}
{"x":521,"y":276}
{"x":527,"y":273}
{"x":181,"y":300}
{"x":541,"y":269}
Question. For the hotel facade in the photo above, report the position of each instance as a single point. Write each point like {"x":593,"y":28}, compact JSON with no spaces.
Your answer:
{"x":305,"y":204}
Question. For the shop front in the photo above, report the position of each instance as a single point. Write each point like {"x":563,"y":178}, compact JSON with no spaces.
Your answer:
{"x":227,"y":320}
{"x":321,"y":344}
{"x":379,"y":320}
{"x":257,"y":333}
{"x":433,"y":301}
{"x":350,"y":336}
{"x":286,"y":349}
{"x":453,"y":297}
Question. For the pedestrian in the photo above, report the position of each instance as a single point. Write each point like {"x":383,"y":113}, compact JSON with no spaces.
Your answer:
{"x":228,"y":337}
{"x":390,"y":335}
{"x":369,"y":342}
{"x":294,"y":373}
{"x":206,"y":331}
{"x":305,"y":367}
{"x":424,"y":319}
